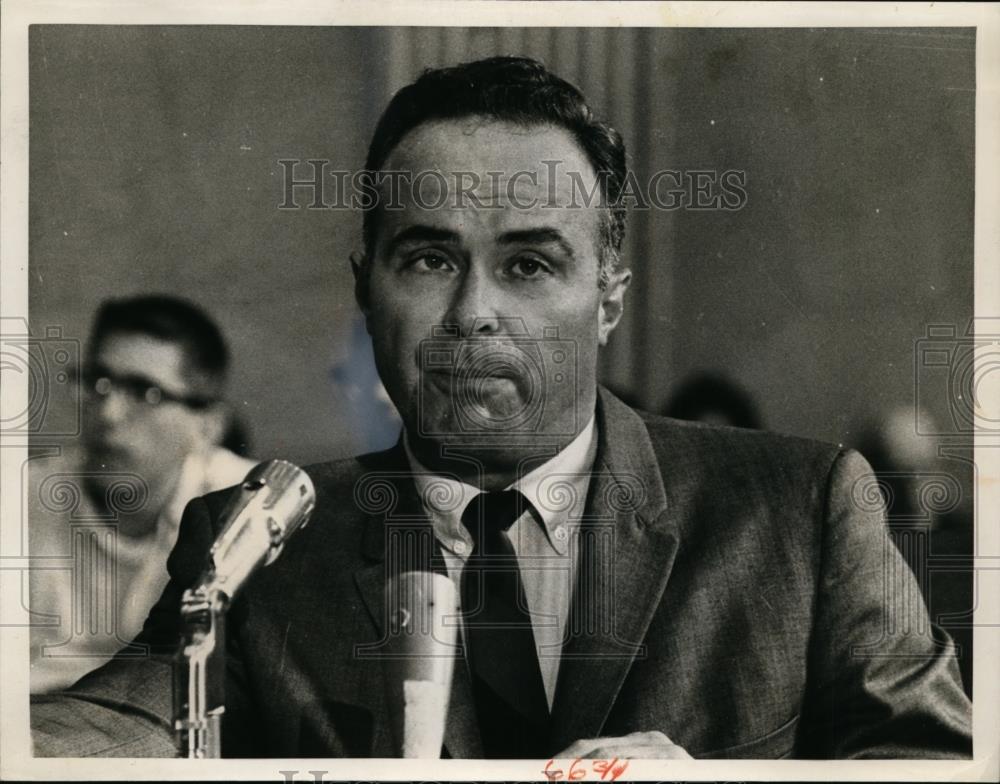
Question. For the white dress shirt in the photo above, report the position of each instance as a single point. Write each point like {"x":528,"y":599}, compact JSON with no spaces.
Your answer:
{"x":547,"y":553}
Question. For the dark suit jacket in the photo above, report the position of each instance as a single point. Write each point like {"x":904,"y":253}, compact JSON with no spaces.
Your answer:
{"x":743,"y":597}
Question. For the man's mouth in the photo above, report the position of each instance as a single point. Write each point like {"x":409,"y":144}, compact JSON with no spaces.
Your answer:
{"x":107,"y":452}
{"x":470,"y":375}
{"x":485,"y":363}
{"x":493,"y":381}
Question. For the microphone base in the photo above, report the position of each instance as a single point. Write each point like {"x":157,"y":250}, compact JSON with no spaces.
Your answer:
{"x":199,"y":674}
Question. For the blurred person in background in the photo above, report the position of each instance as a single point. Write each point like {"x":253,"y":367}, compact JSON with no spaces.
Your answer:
{"x":715,"y":399}
{"x":153,"y":418}
{"x":377,"y":423}
{"x":237,"y":437}
{"x":902,"y":459}
{"x":928,"y":514}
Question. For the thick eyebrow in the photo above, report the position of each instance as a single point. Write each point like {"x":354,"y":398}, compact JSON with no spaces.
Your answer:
{"x":423,"y":233}
{"x":544,"y":235}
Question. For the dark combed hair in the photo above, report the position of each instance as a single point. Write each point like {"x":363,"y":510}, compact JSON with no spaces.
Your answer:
{"x":173,"y":320}
{"x":517,"y":90}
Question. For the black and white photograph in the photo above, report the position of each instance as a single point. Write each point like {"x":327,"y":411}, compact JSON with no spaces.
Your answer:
{"x":542,"y":390}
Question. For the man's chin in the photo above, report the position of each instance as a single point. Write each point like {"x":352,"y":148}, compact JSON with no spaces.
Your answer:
{"x":108,"y":461}
{"x":499,"y":417}
{"x":485,"y":438}
{"x":109,"y":468}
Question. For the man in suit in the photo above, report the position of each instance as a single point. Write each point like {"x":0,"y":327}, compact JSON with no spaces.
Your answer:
{"x":631,"y":586}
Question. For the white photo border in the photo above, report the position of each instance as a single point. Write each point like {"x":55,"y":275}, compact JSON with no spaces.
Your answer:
{"x":16,"y":761}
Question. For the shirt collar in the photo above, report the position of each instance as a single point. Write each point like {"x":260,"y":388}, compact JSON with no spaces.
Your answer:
{"x":557,"y":490}
{"x":189,"y":484}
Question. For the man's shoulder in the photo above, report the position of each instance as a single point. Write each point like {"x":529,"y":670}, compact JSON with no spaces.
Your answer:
{"x":734,"y":480}
{"x":737,"y":451}
{"x":52,"y":493}
{"x":224,"y":468}
{"x":353,"y":474}
{"x":712,"y":434}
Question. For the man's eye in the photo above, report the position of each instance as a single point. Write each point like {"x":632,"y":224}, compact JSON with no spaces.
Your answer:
{"x":529,"y":267}
{"x":430,"y":262}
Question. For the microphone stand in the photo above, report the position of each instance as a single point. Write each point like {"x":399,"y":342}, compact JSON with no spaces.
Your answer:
{"x":275,"y":499}
{"x":200,"y":673}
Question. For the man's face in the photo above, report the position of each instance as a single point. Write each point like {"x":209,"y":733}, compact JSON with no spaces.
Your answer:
{"x":125,"y":431}
{"x":486,"y":313}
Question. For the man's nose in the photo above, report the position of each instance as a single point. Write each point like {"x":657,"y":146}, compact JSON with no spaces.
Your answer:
{"x":111,"y":408}
{"x":478,"y":306}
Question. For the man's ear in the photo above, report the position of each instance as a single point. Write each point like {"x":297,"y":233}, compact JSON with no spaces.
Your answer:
{"x":612,"y":304}
{"x":361,"y":270}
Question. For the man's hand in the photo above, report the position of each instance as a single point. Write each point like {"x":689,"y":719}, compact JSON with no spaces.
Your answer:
{"x":635,"y":745}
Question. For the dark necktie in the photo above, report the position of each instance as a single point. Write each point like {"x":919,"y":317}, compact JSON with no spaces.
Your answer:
{"x":500,"y":645}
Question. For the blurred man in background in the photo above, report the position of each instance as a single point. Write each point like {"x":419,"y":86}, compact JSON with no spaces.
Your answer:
{"x":715,"y":399}
{"x":930,"y":515}
{"x":361,"y":392}
{"x":107,"y":511}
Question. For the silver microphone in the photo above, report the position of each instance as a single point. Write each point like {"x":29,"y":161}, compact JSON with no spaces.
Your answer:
{"x":419,"y":660}
{"x":274,"y":500}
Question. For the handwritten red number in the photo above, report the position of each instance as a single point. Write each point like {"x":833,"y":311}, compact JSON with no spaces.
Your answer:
{"x":607,"y":770}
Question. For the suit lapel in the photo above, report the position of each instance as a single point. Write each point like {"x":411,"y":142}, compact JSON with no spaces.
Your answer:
{"x":388,"y":496}
{"x":397,"y":537}
{"x":627,"y":546}
{"x":628,"y":542}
